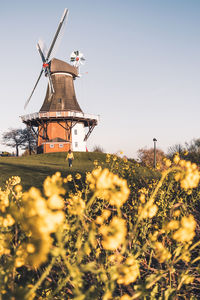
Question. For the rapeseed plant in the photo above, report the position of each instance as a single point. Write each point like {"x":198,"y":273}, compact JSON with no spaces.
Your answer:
{"x":108,"y":237}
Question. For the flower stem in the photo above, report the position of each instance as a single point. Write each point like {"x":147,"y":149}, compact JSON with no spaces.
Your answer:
{"x":41,"y":279}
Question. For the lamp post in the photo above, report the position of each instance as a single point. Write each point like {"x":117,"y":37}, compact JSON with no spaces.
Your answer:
{"x":154,"y":140}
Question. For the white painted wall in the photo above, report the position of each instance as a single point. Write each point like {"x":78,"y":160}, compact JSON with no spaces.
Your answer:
{"x":78,"y":134}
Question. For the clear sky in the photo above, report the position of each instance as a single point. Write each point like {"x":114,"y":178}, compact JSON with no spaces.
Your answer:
{"x":142,"y":74}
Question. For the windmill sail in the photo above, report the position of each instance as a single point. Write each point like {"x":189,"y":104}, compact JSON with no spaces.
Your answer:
{"x":58,"y":35}
{"x":28,"y":100}
{"x":46,"y":58}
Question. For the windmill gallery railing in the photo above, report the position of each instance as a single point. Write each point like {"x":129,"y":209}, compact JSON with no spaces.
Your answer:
{"x":59,"y":114}
{"x":42,"y":119}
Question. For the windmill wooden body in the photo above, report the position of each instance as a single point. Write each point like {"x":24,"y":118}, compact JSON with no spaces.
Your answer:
{"x":60,"y":124}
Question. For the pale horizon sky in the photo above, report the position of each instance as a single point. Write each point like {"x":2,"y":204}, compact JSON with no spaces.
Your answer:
{"x":142,"y":70}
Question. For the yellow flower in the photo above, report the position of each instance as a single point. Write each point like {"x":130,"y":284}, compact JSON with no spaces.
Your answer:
{"x":76,"y":205}
{"x":42,"y":247}
{"x":162,"y":254}
{"x":105,"y":215}
{"x":18,"y":188}
{"x":128,"y":272}
{"x":19,"y":262}
{"x":168,"y":163}
{"x":95,"y":162}
{"x":187,"y":230}
{"x":13,"y":180}
{"x":78,"y":176}
{"x":153,"y":237}
{"x":55,"y":202}
{"x":142,"y":198}
{"x":69,"y":177}
{"x":4,"y":200}
{"x":115,"y":258}
{"x":58,"y":219}
{"x":148,"y":212}
{"x":18,"y":191}
{"x":176,"y":159}
{"x":189,"y":222}
{"x":172,"y":225}
{"x":4,"y":245}
{"x":107,"y":158}
{"x":39,"y":218}
{"x":176,"y":213}
{"x":189,"y":175}
{"x":121,"y":192}
{"x":143,"y":191}
{"x":125,"y":297}
{"x":99,"y":220}
{"x":8,"y":221}
{"x":113,"y":234}
{"x":53,"y":185}
{"x":186,"y":257}
{"x":108,"y":186}
{"x":30,"y":248}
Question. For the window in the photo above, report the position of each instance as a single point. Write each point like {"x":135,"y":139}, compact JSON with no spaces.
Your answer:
{"x":59,"y":101}
{"x":75,"y":131}
{"x":51,"y":145}
{"x":60,"y":145}
{"x":76,"y":144}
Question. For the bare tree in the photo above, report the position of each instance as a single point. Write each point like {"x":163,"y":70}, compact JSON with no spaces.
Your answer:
{"x":193,"y":146}
{"x":28,"y":141}
{"x":146,"y":157}
{"x":13,"y":138}
{"x":98,"y":148}
{"x":177,"y":148}
{"x":189,"y":151}
{"x":193,"y":151}
{"x":19,"y":138}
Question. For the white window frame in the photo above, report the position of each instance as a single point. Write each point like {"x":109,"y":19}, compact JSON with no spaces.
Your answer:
{"x":51,"y":145}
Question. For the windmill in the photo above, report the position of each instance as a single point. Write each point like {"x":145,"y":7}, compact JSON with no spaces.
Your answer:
{"x":77,"y":59}
{"x":60,"y":124}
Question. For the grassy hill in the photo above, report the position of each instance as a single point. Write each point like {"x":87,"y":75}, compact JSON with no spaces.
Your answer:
{"x":35,"y":168}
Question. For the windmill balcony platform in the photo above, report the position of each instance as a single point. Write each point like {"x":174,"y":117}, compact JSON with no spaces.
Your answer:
{"x":87,"y":119}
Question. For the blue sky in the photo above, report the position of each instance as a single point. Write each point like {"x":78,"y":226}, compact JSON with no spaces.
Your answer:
{"x":142,"y":70}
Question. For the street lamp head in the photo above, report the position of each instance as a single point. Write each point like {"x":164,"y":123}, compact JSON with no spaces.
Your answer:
{"x":155,"y":140}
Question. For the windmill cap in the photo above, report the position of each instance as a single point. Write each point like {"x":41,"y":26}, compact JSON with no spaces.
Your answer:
{"x":58,"y":65}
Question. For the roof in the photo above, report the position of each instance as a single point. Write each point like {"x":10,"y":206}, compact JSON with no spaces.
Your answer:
{"x":57,"y":140}
{"x":57,"y":65}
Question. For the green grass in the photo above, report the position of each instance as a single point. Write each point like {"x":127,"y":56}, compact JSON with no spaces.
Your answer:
{"x":35,"y":168}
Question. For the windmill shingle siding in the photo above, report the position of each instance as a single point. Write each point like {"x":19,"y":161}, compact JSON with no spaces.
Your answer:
{"x":64,"y":98}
